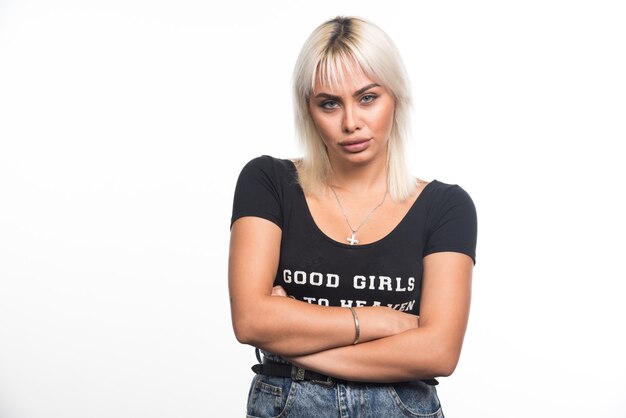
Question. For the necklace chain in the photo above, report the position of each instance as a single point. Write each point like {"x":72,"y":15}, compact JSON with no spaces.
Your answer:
{"x":352,"y":239}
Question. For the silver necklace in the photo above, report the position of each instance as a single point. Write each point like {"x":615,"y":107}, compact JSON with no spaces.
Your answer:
{"x":352,"y":239}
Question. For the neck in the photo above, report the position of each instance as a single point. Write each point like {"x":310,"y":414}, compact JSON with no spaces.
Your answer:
{"x":363,"y":179}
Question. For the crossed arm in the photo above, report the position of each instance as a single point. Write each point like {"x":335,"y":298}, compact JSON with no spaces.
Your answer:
{"x":393,"y":347}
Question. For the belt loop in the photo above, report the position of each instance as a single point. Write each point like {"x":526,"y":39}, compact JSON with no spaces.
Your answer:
{"x":297,"y":373}
{"x":328,"y":382}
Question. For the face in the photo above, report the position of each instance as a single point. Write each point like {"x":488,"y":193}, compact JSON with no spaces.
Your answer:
{"x":354,"y":119}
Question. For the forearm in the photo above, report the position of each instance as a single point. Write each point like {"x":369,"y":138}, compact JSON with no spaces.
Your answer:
{"x":283,"y":325}
{"x":293,"y":328}
{"x":416,"y":354}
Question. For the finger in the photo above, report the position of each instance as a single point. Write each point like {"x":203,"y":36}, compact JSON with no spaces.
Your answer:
{"x":278,"y":291}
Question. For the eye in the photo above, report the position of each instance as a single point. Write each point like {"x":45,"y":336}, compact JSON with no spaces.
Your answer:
{"x":368,"y":98}
{"x":329,"y":104}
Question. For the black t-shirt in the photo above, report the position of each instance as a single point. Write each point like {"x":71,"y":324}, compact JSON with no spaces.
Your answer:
{"x":317,"y":269}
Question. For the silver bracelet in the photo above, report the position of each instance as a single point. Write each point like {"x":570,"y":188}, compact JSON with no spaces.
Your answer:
{"x":357,"y":328}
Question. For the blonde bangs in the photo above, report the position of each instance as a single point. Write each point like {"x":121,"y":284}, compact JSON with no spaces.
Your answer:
{"x":335,"y":68}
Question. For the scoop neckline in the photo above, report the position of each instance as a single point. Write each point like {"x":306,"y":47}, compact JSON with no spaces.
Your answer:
{"x":311,"y":219}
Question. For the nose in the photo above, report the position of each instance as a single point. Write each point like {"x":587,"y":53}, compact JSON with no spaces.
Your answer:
{"x":351,"y":121}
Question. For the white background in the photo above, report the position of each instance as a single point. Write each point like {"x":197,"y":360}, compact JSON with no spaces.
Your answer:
{"x":123,"y":127}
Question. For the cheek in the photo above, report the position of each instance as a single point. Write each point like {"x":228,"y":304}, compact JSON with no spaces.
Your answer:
{"x":386,"y":119}
{"x":381,"y":122}
{"x":325,"y":127}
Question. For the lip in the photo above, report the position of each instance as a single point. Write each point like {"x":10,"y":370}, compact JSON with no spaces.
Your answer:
{"x":352,"y":141}
{"x":355,"y":144}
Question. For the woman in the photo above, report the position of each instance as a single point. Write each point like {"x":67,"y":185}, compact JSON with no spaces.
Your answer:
{"x":359,"y":246}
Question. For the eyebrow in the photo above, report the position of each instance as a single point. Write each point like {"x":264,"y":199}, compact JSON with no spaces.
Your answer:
{"x":356,"y":93}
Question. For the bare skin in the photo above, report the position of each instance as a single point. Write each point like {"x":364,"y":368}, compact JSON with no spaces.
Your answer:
{"x":354,"y":120}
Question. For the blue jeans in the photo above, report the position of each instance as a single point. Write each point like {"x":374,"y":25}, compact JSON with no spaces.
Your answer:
{"x":283,"y":397}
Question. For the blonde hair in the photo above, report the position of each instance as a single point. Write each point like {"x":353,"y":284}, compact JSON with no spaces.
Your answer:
{"x":355,"y":45}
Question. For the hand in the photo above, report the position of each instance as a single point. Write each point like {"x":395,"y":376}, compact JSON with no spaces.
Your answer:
{"x":386,"y":321}
{"x":278,"y":291}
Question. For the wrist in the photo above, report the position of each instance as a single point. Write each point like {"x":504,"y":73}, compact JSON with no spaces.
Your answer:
{"x":357,"y":326}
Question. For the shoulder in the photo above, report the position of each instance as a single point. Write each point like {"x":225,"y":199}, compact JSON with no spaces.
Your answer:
{"x":263,"y":186}
{"x":442,"y":193}
{"x":451,"y":220}
{"x":268,"y":166}
{"x":268,"y":174}
{"x":449,"y":202}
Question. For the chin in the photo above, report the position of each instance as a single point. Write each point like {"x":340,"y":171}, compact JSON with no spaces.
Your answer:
{"x":361,"y":158}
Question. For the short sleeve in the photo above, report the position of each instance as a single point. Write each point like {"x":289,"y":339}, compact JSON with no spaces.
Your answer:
{"x":257,"y":192}
{"x":454,"y":223}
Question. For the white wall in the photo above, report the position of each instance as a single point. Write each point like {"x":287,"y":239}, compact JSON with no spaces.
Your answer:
{"x":123,"y":127}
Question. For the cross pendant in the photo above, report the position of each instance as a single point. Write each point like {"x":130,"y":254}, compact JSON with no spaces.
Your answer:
{"x":352,"y":240}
